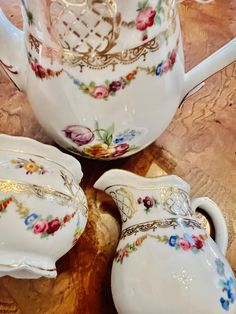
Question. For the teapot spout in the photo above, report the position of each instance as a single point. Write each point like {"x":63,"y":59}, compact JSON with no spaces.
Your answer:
{"x":214,"y":63}
{"x":12,"y":53}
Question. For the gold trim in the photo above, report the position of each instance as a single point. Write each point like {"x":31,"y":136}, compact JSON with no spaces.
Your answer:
{"x":103,"y":60}
{"x":26,"y":265}
{"x":159,"y":223}
{"x":173,"y":199}
{"x":79,"y":19}
{"x":128,"y":56}
{"x":19,"y":187}
{"x":125,"y":202}
{"x":152,"y":188}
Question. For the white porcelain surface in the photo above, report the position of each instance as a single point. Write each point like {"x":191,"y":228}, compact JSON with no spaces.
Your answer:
{"x":43,"y":210}
{"x":165,"y":262}
{"x":110,"y":75}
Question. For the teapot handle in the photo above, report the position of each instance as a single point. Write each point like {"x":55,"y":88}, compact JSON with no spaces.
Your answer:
{"x":214,"y":63}
{"x":13,"y":57}
{"x":217,"y":217}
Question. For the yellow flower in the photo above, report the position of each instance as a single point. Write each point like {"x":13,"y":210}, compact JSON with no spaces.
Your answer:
{"x":23,"y":212}
{"x":140,"y":240}
{"x":99,"y":150}
{"x":31,"y":166}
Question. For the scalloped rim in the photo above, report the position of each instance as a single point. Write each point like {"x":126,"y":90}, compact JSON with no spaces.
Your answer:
{"x":120,"y":176}
{"x":30,"y":146}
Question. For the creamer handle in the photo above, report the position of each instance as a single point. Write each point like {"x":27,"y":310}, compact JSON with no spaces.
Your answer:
{"x":217,"y":218}
{"x":217,"y":61}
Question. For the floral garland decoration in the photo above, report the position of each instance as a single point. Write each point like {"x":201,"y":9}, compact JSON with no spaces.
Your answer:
{"x":40,"y":71}
{"x":45,"y":227}
{"x":186,"y":243}
{"x":110,"y":88}
{"x":147,"y":17}
{"x":228,"y":285}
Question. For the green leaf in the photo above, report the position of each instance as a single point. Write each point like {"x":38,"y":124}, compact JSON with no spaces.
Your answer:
{"x":44,"y":235}
{"x":111,"y":129}
{"x":98,"y":131}
{"x":92,"y":84}
{"x":194,"y":250}
{"x":132,"y":147}
{"x":49,"y":217}
{"x":157,"y":19}
{"x":221,"y":282}
{"x":107,"y":82}
{"x":155,"y":201}
{"x":159,"y":5}
{"x":108,"y":135}
{"x":142,"y":5}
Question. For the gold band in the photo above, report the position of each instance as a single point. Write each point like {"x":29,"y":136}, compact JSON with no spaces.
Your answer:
{"x":161,"y":223}
{"x":33,"y":189}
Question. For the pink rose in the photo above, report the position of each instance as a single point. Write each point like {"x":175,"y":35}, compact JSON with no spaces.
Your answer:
{"x":145,"y":18}
{"x":166,"y":67}
{"x":173,"y":57}
{"x":40,"y":226}
{"x":101,"y":91}
{"x":33,"y":67}
{"x":40,"y":71}
{"x":198,"y":243}
{"x":121,"y":254}
{"x":184,"y":244}
{"x":53,"y":225}
{"x":121,"y":149}
{"x":79,"y":134}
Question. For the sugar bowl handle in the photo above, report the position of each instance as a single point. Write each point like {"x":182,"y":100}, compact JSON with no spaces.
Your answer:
{"x":217,"y":218}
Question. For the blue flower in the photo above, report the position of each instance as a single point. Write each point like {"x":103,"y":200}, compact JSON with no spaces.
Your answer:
{"x":76,"y":82}
{"x":31,"y":219}
{"x":230,"y":296}
{"x":224,"y":303}
{"x":126,"y":135}
{"x":159,"y":69}
{"x":220,"y":267}
{"x":228,"y":286}
{"x":132,"y":133}
{"x":173,"y":240}
{"x":119,"y":140}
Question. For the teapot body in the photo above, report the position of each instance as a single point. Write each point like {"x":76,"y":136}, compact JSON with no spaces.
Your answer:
{"x":103,"y":85}
{"x":165,"y":261}
{"x":104,"y":78}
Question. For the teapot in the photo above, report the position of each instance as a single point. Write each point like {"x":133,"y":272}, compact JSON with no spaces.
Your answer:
{"x":109,"y":73}
{"x":165,"y":261}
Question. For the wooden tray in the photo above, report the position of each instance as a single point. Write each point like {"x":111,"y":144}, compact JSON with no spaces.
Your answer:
{"x":199,"y":145}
